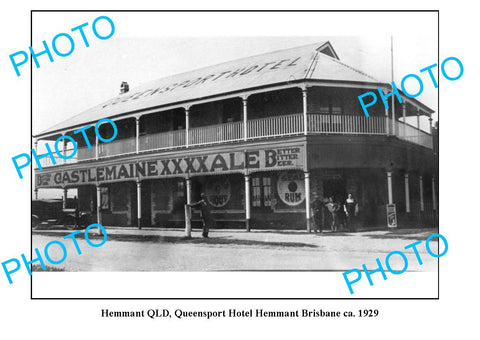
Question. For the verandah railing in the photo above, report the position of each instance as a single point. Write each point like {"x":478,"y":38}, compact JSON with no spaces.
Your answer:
{"x":117,"y":147}
{"x":162,"y":140}
{"x":274,"y":126}
{"x":411,"y":134}
{"x":346,"y":124}
{"x":226,"y":132}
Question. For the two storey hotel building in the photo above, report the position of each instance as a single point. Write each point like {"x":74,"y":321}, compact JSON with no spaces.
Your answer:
{"x":262,"y":137}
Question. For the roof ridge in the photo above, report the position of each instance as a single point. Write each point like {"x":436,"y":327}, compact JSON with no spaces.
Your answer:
{"x":313,"y":65}
{"x":317,"y":44}
{"x":187,"y":86}
{"x":351,"y":68}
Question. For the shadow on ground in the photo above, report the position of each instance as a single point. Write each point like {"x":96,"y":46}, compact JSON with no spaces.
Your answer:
{"x":334,"y":234}
{"x":212,"y":240}
{"x":419,"y":235}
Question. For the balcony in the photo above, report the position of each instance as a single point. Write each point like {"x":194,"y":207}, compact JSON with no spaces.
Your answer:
{"x":411,"y":134}
{"x":275,"y":126}
{"x":227,"y":132}
{"x":117,"y":147}
{"x":162,"y":141}
{"x":346,"y":125}
{"x":268,"y":127}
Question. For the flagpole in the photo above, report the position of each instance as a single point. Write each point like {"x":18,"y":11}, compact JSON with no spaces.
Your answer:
{"x":391,"y":54}
{"x":392,"y":79}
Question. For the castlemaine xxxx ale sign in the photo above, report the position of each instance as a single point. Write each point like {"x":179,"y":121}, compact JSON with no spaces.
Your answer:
{"x":221,"y":163}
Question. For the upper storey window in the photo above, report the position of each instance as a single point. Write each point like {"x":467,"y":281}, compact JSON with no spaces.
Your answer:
{"x":331,"y":106}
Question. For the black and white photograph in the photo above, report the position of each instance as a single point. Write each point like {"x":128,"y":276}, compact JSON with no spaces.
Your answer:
{"x":270,"y":156}
{"x":217,"y":166}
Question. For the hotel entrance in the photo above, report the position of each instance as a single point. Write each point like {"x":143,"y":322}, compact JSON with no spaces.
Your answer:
{"x":335,"y":188}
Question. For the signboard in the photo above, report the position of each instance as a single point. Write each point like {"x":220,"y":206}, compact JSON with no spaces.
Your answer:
{"x":281,"y":66}
{"x":218,"y":191}
{"x":291,"y":187}
{"x":391,"y":216}
{"x":215,"y":163}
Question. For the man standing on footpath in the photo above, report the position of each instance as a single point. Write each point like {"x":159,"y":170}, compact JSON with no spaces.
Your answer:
{"x":318,"y":207}
{"x":205,"y":214}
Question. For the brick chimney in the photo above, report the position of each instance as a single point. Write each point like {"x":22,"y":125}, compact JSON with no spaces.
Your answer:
{"x":124,"y":87}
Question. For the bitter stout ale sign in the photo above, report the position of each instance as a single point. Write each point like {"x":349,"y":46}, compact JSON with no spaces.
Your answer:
{"x":284,"y":158}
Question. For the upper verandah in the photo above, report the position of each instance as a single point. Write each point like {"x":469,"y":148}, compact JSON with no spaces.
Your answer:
{"x":313,"y":62}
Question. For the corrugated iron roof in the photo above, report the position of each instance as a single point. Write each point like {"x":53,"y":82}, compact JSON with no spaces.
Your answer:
{"x":309,"y":62}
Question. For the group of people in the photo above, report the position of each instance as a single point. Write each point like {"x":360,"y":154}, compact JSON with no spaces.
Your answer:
{"x":339,"y":216}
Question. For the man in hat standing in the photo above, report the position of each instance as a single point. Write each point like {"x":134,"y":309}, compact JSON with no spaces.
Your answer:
{"x":205,"y":214}
{"x":318,"y":207}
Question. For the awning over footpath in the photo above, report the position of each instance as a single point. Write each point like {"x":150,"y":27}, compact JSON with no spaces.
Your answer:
{"x":310,"y":62}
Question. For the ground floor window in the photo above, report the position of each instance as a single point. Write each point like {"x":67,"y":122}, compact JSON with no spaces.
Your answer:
{"x":180,"y":192}
{"x":261,"y":191}
{"x":104,"y":198}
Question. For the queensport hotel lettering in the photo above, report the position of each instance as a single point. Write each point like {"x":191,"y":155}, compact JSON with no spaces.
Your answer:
{"x":274,"y":159}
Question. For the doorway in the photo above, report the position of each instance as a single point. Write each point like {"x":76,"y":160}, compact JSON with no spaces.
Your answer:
{"x":335,"y":188}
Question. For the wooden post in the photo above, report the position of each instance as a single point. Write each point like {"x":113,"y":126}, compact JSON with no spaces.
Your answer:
{"x":247,"y":202}
{"x":307,"y":200}
{"x":139,"y":205}
{"x":431,"y":130}
{"x":65,"y":193}
{"x":389,"y":187}
{"x":64,"y":150}
{"x":187,"y":126}
{"x":305,"y":107}
{"x":422,"y":204}
{"x":137,"y":134}
{"x":245,"y":116}
{"x":387,"y":122}
{"x":96,"y":147}
{"x":407,"y":194}
{"x":99,"y":205}
{"x":188,"y":210}
{"x":418,"y":126}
